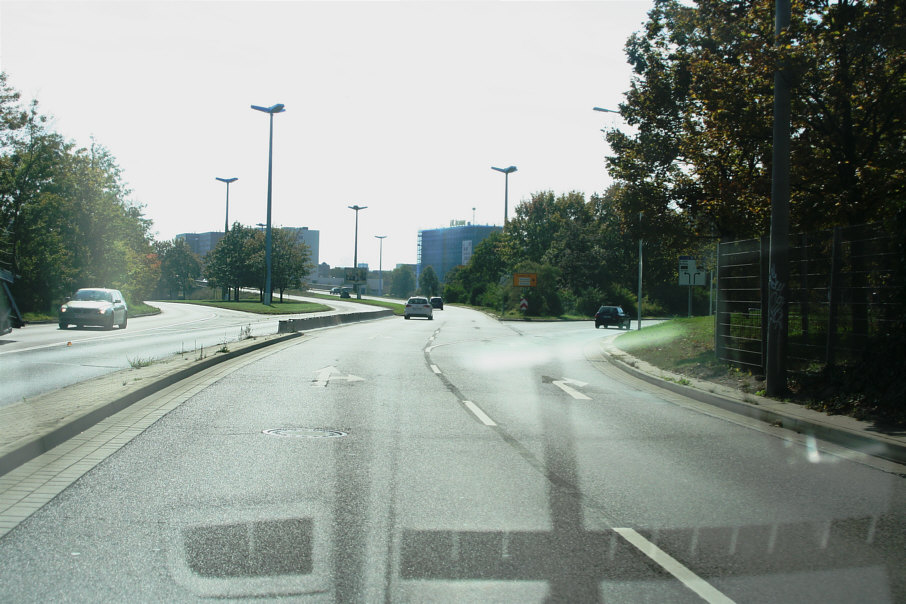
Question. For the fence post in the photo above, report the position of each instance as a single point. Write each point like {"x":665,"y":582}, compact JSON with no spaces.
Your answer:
{"x":764,"y":247}
{"x":833,"y":298}
{"x":718,"y":329}
{"x":803,"y":285}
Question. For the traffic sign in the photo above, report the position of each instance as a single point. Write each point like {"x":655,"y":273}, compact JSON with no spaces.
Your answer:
{"x":525,"y":279}
{"x":523,"y":304}
{"x":689,"y":273}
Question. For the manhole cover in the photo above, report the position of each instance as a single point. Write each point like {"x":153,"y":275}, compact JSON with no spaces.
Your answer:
{"x":305,"y":432}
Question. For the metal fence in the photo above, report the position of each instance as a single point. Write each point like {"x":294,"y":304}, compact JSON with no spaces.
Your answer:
{"x":846,"y":291}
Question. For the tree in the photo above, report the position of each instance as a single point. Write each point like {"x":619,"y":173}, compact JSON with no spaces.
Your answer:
{"x":403,"y":283}
{"x":701,"y":103}
{"x":65,"y":217}
{"x":229,"y":264}
{"x":428,"y":283}
{"x":290,"y":261}
{"x":179,"y":267}
{"x":479,"y":279}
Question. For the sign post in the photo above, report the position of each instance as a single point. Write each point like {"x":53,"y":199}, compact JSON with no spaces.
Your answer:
{"x":690,"y":275}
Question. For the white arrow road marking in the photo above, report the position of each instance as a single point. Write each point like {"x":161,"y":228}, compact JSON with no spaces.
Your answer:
{"x":562,"y":385}
{"x":328,"y":373}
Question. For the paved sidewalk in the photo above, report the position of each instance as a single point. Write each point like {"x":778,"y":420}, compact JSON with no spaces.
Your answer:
{"x":838,"y":429}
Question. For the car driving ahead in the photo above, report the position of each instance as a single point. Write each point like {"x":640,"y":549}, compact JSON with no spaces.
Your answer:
{"x":418,"y":307}
{"x":95,"y":306}
{"x":611,"y":315}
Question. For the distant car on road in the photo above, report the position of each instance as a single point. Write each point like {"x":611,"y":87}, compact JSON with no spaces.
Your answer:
{"x":418,"y":307}
{"x":335,"y":290}
{"x":611,"y":315}
{"x":344,"y":293}
{"x":437,"y":302}
{"x":95,"y":306}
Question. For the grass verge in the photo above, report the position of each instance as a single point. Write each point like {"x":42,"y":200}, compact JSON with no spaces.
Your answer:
{"x":289,"y":307}
{"x":397,"y":308}
{"x":686,"y":346}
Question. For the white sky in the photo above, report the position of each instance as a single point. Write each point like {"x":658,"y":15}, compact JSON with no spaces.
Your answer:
{"x":402,"y":107}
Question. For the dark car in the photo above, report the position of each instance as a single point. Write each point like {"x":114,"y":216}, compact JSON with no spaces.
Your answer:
{"x":95,"y":306}
{"x":437,"y":302}
{"x":611,"y":315}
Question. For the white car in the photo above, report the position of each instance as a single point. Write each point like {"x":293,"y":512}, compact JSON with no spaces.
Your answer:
{"x":95,"y":306}
{"x":419,"y":307}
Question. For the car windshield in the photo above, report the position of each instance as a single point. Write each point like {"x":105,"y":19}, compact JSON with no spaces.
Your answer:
{"x":218,"y":383}
{"x":93,"y":295}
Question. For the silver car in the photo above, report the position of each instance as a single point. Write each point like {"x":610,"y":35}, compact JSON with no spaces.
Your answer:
{"x":419,"y":307}
{"x":95,"y":306}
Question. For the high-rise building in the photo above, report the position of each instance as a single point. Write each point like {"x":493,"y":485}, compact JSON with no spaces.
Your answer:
{"x":309,"y":237}
{"x":447,"y":248}
{"x":202,"y":243}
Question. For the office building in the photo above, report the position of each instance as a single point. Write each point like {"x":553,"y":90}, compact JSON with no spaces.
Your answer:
{"x":202,"y":243}
{"x":446,"y":248}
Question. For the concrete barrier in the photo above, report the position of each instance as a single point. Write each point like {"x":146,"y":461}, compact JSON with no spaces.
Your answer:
{"x":302,"y":323}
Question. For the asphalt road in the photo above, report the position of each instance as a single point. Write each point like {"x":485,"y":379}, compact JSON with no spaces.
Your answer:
{"x":460,"y":460}
{"x":43,"y":357}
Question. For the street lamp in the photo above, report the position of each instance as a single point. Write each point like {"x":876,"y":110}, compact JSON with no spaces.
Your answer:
{"x":226,"y":220}
{"x":506,"y":189}
{"x":604,"y":110}
{"x":381,"y":262}
{"x":355,"y":254}
{"x":225,"y":294}
{"x":278,"y":108}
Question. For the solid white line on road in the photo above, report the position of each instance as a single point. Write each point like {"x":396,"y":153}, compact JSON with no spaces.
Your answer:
{"x":481,"y":415}
{"x":435,"y":369}
{"x":701,"y":587}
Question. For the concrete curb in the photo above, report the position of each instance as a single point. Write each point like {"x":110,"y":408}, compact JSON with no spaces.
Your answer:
{"x":828,"y":428}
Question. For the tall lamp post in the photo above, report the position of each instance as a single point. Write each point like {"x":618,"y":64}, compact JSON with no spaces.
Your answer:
{"x":226,"y":219}
{"x":225,"y":294}
{"x":355,"y":253}
{"x":381,"y":261}
{"x":506,"y":188}
{"x":278,"y":108}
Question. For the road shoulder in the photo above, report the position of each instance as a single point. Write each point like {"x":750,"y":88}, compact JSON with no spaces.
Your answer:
{"x":840,"y":430}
